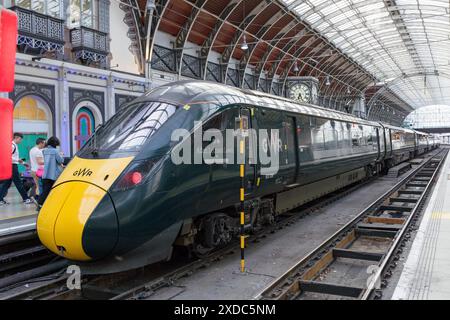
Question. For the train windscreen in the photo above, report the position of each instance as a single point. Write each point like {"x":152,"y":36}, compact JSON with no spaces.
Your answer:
{"x":128,"y":130}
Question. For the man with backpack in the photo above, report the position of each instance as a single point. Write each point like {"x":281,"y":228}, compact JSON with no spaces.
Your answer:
{"x":5,"y":184}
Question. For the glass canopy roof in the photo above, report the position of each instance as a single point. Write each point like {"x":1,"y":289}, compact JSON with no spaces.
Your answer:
{"x":403,"y":43}
{"x":429,"y":117}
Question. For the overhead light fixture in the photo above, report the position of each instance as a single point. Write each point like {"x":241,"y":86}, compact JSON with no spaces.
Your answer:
{"x":244,"y":45}
{"x":328,"y":81}
{"x":296,"y":67}
{"x":151,"y":5}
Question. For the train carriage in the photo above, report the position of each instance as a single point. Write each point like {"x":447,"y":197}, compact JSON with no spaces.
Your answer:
{"x":123,"y":195}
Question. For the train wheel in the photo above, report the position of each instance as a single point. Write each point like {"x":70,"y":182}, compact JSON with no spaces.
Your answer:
{"x":216,"y":231}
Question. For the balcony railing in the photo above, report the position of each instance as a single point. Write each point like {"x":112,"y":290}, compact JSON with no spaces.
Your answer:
{"x":89,"y":44}
{"x":39,"y":31}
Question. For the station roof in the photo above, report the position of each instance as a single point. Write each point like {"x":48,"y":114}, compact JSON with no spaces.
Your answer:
{"x":403,"y":41}
{"x":394,"y":51}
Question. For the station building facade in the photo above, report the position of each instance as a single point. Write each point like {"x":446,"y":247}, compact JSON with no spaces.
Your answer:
{"x":74,"y":69}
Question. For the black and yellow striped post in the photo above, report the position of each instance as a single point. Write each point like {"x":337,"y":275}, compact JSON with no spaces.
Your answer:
{"x":242,"y":194}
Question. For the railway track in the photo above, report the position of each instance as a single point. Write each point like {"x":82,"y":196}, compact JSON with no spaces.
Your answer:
{"x":22,"y":257}
{"x":149,"y":280}
{"x":356,"y":262}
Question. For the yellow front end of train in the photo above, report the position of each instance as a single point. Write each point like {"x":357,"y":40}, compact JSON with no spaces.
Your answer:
{"x":74,"y":198}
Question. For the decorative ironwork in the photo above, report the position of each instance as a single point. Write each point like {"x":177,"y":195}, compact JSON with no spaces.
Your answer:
{"x":264,"y":85}
{"x":191,"y":67}
{"x":164,"y":59}
{"x":78,"y":95}
{"x":39,"y":32}
{"x":233,"y":77}
{"x":213,"y":72}
{"x":249,"y":81}
{"x":89,"y":45}
{"x":122,"y":99}
{"x":277,"y":88}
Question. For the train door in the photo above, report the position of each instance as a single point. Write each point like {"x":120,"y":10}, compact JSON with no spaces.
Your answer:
{"x":224,"y":181}
{"x":388,"y":135}
{"x":289,"y":153}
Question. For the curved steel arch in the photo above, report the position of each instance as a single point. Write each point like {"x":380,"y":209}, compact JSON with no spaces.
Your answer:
{"x":242,"y":29}
{"x":206,"y":48}
{"x":245,"y":61}
{"x":295,"y":56}
{"x":286,"y":47}
{"x":290,"y":65}
{"x":279,"y":37}
{"x":185,"y":30}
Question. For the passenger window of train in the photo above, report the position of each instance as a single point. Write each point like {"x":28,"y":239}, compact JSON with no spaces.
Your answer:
{"x":229,"y":118}
{"x":213,"y":123}
{"x":317,"y":134}
{"x":330,"y":136}
{"x":356,"y":135}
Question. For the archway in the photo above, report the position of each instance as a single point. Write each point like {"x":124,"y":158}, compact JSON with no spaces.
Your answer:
{"x":413,"y":91}
{"x":33,"y":118}
{"x":86,"y":117}
{"x":432,"y":118}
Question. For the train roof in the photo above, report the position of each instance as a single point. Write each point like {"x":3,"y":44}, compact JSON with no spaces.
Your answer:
{"x":202,"y":92}
{"x":389,"y":126}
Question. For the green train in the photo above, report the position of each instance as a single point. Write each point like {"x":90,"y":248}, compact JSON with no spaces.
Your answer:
{"x":122,"y":202}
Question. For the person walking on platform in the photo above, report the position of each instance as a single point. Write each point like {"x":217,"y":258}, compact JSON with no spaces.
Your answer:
{"x":53,"y":166}
{"x":4,"y":186}
{"x":37,"y":165}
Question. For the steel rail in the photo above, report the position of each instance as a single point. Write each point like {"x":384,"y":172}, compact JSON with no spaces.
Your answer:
{"x":400,"y":235}
{"x":328,"y":244}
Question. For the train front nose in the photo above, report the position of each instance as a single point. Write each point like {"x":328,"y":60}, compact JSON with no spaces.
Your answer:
{"x":78,"y":221}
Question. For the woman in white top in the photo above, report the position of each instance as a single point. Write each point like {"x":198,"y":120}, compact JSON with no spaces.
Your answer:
{"x":36,"y":162}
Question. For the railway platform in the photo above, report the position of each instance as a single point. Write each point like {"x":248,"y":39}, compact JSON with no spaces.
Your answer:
{"x":16,"y":217}
{"x":426,"y":272}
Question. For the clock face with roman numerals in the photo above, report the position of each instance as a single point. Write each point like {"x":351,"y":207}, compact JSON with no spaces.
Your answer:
{"x":300,"y":92}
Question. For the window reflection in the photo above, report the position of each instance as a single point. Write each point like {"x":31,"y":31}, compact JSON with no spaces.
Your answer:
{"x":48,"y":7}
{"x":321,"y":138}
{"x":81,"y":13}
{"x":129,"y":129}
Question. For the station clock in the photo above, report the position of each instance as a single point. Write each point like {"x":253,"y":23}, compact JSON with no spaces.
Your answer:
{"x":302,"y":89}
{"x":300,"y":92}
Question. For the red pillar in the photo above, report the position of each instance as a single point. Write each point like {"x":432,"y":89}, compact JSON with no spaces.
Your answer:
{"x":6,"y":132}
{"x":8,"y":41}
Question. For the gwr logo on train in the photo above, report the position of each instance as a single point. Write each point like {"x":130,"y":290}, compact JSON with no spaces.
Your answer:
{"x":85,"y":172}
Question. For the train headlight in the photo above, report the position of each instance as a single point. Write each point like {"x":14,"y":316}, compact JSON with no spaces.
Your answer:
{"x":136,"y":174}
